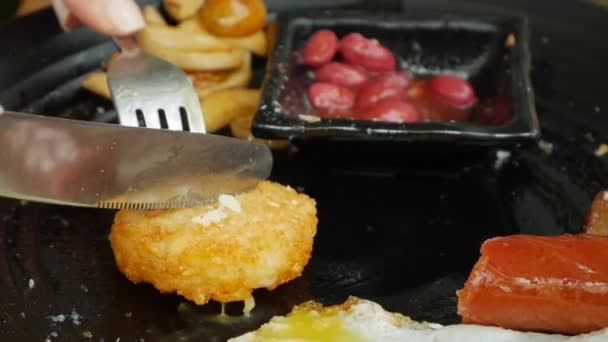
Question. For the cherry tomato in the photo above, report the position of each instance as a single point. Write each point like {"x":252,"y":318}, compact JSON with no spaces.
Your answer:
{"x":342,"y":74}
{"x":320,"y":48}
{"x":398,"y":78}
{"x":233,"y":18}
{"x":376,"y":90}
{"x":452,"y":90}
{"x":368,"y":53}
{"x":433,"y":109}
{"x":391,"y":110}
{"x":331,"y":100}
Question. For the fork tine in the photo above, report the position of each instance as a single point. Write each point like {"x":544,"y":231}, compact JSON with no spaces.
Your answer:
{"x":197,"y":124}
{"x":194,"y":112}
{"x":174,"y":120}
{"x":151,"y":116}
{"x":128,"y":119}
{"x":142,"y":81}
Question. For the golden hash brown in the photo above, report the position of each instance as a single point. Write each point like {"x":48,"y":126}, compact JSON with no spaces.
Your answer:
{"x":266,"y":244}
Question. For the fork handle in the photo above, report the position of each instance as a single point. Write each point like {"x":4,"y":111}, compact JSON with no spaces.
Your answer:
{"x":127,"y":45}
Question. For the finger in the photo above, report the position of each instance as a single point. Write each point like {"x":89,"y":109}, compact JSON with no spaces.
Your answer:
{"x":111,"y":17}
{"x":67,"y":21}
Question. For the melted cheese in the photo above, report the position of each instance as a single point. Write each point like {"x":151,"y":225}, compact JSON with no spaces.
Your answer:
{"x":249,"y":305}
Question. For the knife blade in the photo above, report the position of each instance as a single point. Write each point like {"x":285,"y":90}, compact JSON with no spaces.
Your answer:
{"x":80,"y":163}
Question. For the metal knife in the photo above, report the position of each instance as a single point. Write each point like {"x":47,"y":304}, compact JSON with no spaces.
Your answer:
{"x":89,"y":164}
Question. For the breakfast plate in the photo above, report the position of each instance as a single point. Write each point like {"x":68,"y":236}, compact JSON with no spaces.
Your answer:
{"x":403,"y":230}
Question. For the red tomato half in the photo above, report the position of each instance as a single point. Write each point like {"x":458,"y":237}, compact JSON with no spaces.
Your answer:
{"x":342,"y":74}
{"x":392,"y":110}
{"x":368,"y":53}
{"x":320,"y":48}
{"x":331,"y":100}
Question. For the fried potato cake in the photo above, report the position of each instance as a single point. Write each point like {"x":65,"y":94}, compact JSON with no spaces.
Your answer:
{"x":223,"y":251}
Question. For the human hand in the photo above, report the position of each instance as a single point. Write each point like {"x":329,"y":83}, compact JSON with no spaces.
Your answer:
{"x":110,"y":17}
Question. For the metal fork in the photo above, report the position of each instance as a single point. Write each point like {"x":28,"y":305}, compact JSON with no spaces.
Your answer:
{"x":150,"y":92}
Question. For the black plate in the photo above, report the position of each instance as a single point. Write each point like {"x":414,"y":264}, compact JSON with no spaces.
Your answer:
{"x":401,"y":233}
{"x":427,"y":43}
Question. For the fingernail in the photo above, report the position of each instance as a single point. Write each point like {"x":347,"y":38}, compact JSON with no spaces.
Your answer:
{"x":125,"y":16}
{"x":66,"y":20}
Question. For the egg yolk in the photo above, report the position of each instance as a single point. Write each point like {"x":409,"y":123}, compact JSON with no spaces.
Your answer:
{"x":307,"y":325}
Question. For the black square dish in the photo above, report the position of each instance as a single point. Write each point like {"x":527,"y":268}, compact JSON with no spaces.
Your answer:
{"x":491,"y":52}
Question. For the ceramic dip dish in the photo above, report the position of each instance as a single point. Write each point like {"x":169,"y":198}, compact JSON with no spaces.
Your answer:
{"x":490,"y":55}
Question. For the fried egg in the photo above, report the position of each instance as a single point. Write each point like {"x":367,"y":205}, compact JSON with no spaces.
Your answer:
{"x":359,"y":320}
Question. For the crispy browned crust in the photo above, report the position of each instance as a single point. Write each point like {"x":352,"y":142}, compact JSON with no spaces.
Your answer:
{"x":264,"y":246}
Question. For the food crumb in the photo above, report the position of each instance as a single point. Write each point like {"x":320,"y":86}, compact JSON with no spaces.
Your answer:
{"x":84,"y":288}
{"x":596,"y":109}
{"x":217,"y":215}
{"x":57,"y":319}
{"x":589,"y":137}
{"x":87,"y":334}
{"x":601,"y":150}
{"x":75,"y":317}
{"x":31,"y":283}
{"x":501,"y":158}
{"x":510,"y":40}
{"x":128,"y":314}
{"x":213,"y":216}
{"x":230,"y":202}
{"x":545,"y":146}
{"x":309,"y":118}
{"x":22,"y":314}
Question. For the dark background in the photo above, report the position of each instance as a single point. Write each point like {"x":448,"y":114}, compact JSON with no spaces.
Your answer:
{"x":402,"y":232}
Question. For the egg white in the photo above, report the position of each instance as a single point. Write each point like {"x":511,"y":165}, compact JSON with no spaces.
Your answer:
{"x":370,"y":322}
